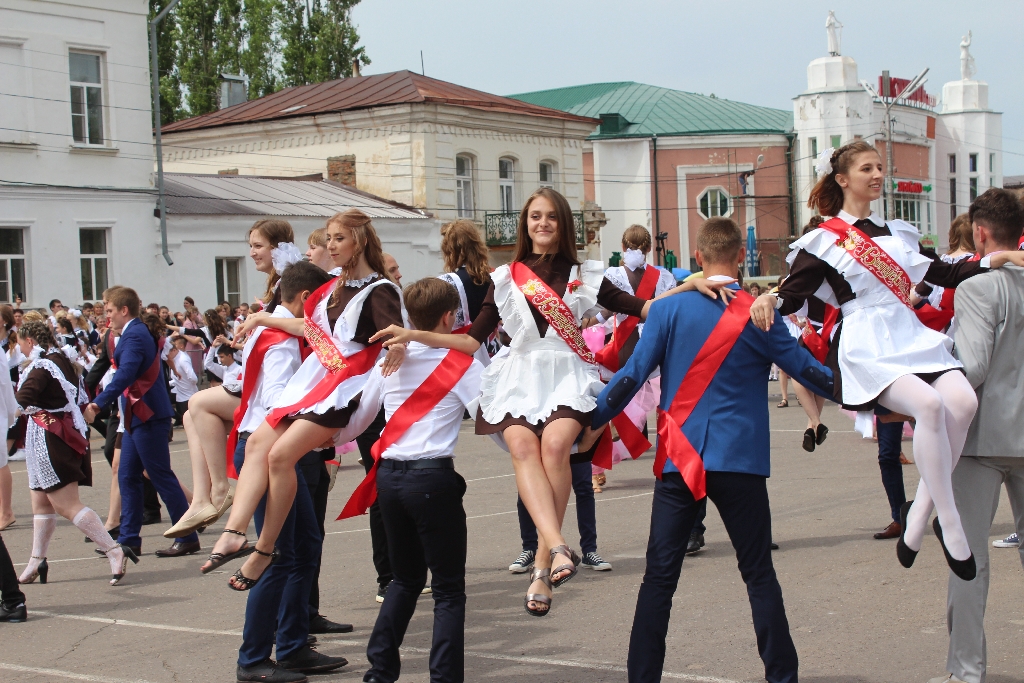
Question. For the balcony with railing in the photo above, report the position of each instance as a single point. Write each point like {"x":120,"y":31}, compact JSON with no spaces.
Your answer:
{"x":500,"y":228}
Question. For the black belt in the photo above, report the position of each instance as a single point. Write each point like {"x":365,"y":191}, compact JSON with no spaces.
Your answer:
{"x":423,"y":464}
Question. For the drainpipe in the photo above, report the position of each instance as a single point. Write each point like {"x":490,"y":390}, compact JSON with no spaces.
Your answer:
{"x":155,"y":78}
{"x":658,"y":240}
{"x":789,"y":179}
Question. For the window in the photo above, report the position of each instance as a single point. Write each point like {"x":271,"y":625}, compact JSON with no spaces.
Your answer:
{"x":837,"y":141}
{"x":547,"y":174}
{"x":952,"y":163}
{"x":93,"y":248}
{"x":908,"y":207}
{"x":972,"y":163}
{"x":12,"y":264}
{"x":991,"y":163}
{"x":506,"y":185}
{"x":86,"y":98}
{"x":974,"y":188}
{"x":813,"y":160}
{"x":229,"y":286}
{"x":714,"y":201}
{"x":952,"y":198}
{"x":464,"y":185}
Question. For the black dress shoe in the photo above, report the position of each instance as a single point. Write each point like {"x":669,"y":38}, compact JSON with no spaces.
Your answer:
{"x":137,"y":549}
{"x":13,"y":615}
{"x":904,"y":554}
{"x":307,"y":660}
{"x":774,"y":546}
{"x":321,"y":624}
{"x":695,"y":543}
{"x":820,"y":434}
{"x":268,"y":671}
{"x":179,"y":549}
{"x":151,"y":518}
{"x":965,"y":569}
{"x":809,"y":440}
{"x":371,"y":679}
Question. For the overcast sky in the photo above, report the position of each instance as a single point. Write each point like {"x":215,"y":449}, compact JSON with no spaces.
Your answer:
{"x":753,"y":51}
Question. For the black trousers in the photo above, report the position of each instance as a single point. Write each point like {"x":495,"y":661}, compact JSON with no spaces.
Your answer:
{"x":318,"y":481}
{"x":150,"y":500}
{"x":426,"y":526}
{"x":378,"y":536}
{"x":742,"y":502}
{"x":10,"y":589}
{"x":890,"y":436}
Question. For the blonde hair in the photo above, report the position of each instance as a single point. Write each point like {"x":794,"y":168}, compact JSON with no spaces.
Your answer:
{"x":318,"y":238}
{"x":461,"y":245}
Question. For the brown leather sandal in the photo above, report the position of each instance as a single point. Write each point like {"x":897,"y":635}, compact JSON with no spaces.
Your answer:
{"x":572,"y":568}
{"x":541,"y":574}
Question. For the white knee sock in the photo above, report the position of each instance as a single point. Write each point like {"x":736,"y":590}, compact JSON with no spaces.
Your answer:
{"x":92,"y":526}
{"x":43,"y":527}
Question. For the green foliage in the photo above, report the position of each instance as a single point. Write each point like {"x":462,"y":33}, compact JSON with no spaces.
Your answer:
{"x":273,"y":43}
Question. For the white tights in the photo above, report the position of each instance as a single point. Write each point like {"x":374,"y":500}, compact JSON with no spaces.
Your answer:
{"x":943,"y":411}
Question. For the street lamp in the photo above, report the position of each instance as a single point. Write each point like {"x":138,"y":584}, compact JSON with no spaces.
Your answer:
{"x":154,"y":72}
{"x":888,"y":102}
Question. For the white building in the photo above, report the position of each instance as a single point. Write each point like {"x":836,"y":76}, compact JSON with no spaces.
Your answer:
{"x":943,"y":159}
{"x":76,"y":159}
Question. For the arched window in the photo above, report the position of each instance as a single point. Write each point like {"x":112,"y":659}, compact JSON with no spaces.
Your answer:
{"x":507,"y":184}
{"x":714,"y":201}
{"x":464,"y":185}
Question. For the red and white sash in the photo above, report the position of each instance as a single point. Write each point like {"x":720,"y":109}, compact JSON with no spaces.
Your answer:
{"x":426,"y":396}
{"x":818,"y":343}
{"x":62,"y":425}
{"x":609,"y":355}
{"x":133,"y":404}
{"x":876,"y":260}
{"x":672,"y":443}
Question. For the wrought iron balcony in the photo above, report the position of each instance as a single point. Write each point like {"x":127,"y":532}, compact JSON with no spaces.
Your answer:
{"x":500,"y":228}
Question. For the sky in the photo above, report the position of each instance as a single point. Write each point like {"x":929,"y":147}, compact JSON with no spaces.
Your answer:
{"x":745,"y":50}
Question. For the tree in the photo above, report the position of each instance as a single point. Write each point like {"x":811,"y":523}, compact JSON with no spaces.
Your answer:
{"x":319,"y":41}
{"x":197,"y":56}
{"x":262,"y":45}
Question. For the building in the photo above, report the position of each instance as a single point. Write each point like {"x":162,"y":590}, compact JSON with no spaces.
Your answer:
{"x":668,"y":159}
{"x":76,"y":159}
{"x":944,"y":156}
{"x":433,"y":145}
{"x":209,"y":216}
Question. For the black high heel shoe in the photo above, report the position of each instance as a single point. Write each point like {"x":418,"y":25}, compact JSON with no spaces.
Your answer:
{"x":965,"y":569}
{"x":904,"y":554}
{"x":128,"y":554}
{"x":41,"y":571}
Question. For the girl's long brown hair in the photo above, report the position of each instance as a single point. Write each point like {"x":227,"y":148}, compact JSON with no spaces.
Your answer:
{"x":566,"y":228}
{"x":827,"y":195}
{"x":961,"y":234}
{"x":275,"y":231}
{"x":7,"y":315}
{"x":360,"y":227}
{"x":461,"y":245}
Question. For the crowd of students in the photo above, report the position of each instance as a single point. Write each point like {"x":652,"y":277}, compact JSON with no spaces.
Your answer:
{"x":336,"y":353}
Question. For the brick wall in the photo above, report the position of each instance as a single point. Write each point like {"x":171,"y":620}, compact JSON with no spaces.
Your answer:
{"x":342,"y":169}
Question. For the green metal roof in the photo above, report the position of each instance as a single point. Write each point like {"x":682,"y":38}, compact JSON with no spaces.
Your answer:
{"x":651,"y":110}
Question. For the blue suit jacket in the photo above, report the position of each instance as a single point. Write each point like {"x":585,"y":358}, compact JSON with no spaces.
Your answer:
{"x":729,"y":425}
{"x":133,"y":355}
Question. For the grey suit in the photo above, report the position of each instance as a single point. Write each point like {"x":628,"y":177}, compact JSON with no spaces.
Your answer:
{"x":990,"y":344}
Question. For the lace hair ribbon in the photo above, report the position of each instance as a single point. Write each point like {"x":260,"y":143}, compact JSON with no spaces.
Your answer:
{"x":824,"y":165}
{"x":283,"y":255}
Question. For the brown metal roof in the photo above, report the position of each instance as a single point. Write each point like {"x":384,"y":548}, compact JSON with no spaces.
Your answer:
{"x":400,"y":87}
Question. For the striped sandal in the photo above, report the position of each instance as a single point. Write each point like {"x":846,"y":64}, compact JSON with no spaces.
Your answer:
{"x":542,"y":574}
{"x":575,"y":560}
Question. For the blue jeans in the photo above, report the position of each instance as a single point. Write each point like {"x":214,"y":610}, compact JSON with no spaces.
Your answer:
{"x":145,"y":448}
{"x":586,"y":512}
{"x":283,"y":589}
{"x":890,"y":435}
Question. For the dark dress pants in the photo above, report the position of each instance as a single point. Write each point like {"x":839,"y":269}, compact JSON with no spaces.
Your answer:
{"x":145,"y":448}
{"x":378,"y":536}
{"x":283,"y":589}
{"x":10,"y":589}
{"x":586,"y":512}
{"x":890,"y":436}
{"x":426,"y":526}
{"x":151,"y":503}
{"x":742,"y":502}
{"x":318,"y":481}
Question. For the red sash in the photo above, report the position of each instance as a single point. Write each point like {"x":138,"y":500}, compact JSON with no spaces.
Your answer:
{"x":339,"y":368}
{"x":552,"y":308}
{"x":254,"y":361}
{"x":940,"y":318}
{"x":62,"y":425}
{"x":630,"y":435}
{"x":818,"y":343}
{"x":609,"y":355}
{"x":864,"y":251}
{"x":134,"y":406}
{"x":427,"y":395}
{"x":672,"y":443}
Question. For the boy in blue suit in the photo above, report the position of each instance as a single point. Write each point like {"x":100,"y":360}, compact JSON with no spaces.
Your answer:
{"x":147,"y":419}
{"x":728,"y":428}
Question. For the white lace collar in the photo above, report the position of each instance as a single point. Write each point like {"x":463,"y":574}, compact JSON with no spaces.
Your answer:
{"x":364,"y":281}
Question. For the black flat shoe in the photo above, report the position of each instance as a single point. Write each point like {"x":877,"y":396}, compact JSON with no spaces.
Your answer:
{"x":268,"y":671}
{"x":13,"y":615}
{"x":809,"y":440}
{"x":965,"y":569}
{"x":321,"y":624}
{"x":904,"y":554}
{"x":308,"y":661}
{"x":821,"y":434}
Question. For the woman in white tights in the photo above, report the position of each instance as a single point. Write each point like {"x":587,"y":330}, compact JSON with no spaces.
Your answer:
{"x":881,"y":353}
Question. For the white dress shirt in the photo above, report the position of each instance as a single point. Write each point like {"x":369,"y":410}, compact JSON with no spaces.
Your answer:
{"x":434,"y":435}
{"x":184,"y":382}
{"x":279,"y":364}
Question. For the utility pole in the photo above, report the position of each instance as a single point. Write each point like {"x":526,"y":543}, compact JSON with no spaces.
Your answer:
{"x":154,"y":70}
{"x":888,"y":101}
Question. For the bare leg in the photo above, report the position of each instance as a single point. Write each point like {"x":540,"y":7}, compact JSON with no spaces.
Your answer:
{"x":200,"y":471}
{"x":784,"y":384}
{"x":301,"y":437}
{"x":809,"y":403}
{"x":212,"y":413}
{"x":114,"y":511}
{"x":6,"y":491}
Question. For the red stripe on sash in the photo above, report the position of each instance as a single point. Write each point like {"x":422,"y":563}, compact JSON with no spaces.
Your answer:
{"x":629,"y":434}
{"x":818,"y":343}
{"x":867,"y":253}
{"x":134,"y":405}
{"x":672,"y":443}
{"x":552,"y":308}
{"x":426,"y":396}
{"x":62,"y":425}
{"x":609,"y":355}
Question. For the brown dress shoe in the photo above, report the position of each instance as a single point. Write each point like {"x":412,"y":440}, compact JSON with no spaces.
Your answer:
{"x":179,"y":549}
{"x":892,"y":531}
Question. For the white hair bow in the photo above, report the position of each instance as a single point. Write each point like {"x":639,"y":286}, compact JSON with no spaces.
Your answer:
{"x":283,"y":255}
{"x":74,"y":313}
{"x":824,"y":165}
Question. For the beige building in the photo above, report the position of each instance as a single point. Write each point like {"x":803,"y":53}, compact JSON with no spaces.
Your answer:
{"x":446,"y":149}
